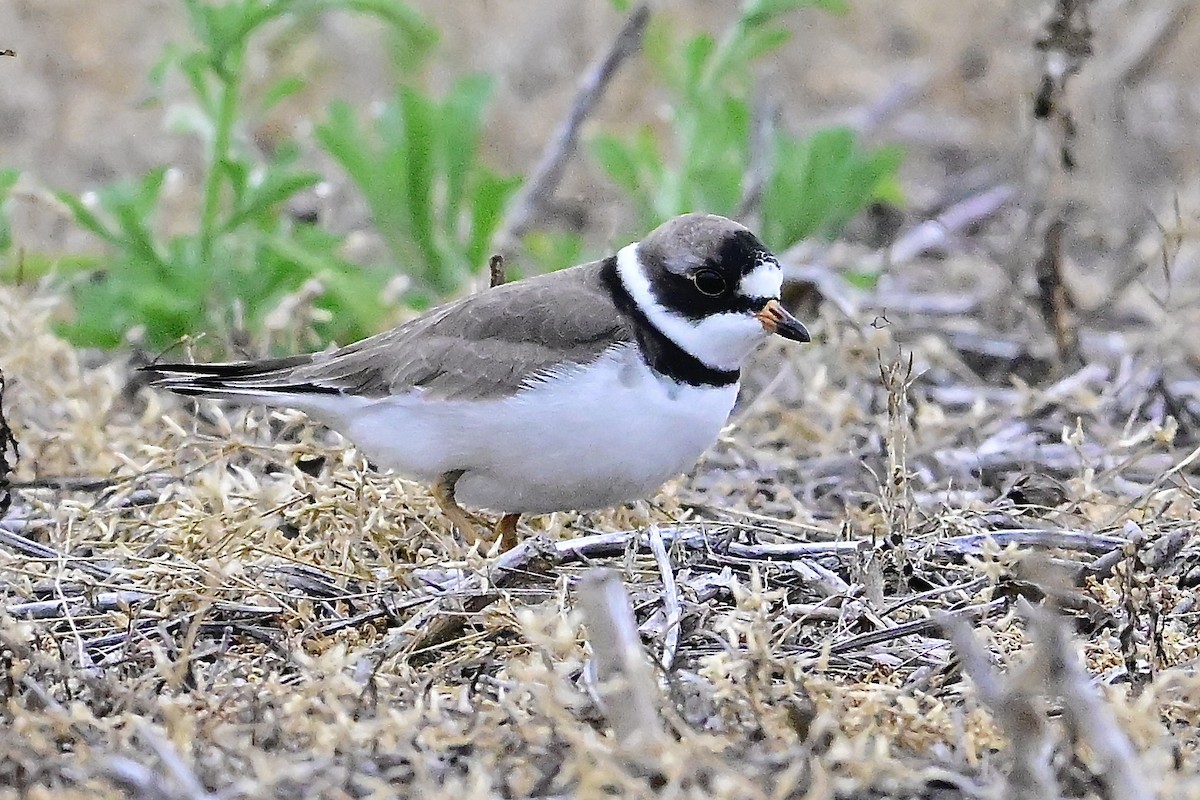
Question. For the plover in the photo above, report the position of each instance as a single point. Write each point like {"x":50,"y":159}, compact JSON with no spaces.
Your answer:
{"x":576,"y":390}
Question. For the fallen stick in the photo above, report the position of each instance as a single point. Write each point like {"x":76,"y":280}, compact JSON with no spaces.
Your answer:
{"x":1044,"y":538}
{"x":918,"y":627}
{"x":1084,"y":708}
{"x":670,"y":597}
{"x":75,"y":606}
{"x":1018,"y":711}
{"x":624,"y":684}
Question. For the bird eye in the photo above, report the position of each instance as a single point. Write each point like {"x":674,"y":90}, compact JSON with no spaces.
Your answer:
{"x":709,"y":282}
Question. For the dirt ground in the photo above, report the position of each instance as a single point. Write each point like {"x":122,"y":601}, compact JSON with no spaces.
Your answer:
{"x":947,"y":551}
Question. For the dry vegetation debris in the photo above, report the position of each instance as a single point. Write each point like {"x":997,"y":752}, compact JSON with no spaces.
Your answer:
{"x":205,"y":602}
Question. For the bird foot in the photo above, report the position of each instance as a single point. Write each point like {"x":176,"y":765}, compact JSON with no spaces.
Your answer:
{"x":471,"y":527}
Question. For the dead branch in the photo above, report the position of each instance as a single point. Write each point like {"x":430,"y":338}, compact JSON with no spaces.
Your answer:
{"x":8,"y":455}
{"x":799,"y":265}
{"x":496,"y":272}
{"x":1018,"y":711}
{"x":184,"y":778}
{"x":670,"y":597}
{"x":623,"y":680}
{"x":1065,"y":43}
{"x":1044,"y":538}
{"x":1148,"y":41}
{"x":444,"y":608}
{"x":754,"y":182}
{"x":821,"y":579}
{"x":920,"y":627}
{"x":68,"y":484}
{"x":540,"y":186}
{"x":14,"y":541}
{"x":1084,"y":707}
{"x":948,"y":225}
{"x":178,"y":783}
{"x":76,"y":606}
{"x":1054,"y":298}
{"x":613,"y":544}
{"x":453,"y":595}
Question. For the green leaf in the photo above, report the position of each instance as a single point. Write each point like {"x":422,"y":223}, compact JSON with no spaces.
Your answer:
{"x":489,"y":199}
{"x":552,"y":250}
{"x":353,"y":291}
{"x":833,"y":6}
{"x":461,"y":124}
{"x":237,"y":176}
{"x":820,"y":183}
{"x":171,"y":55}
{"x":658,"y":46}
{"x":415,"y":36}
{"x":260,"y":205}
{"x":763,"y":12}
{"x":416,"y":166}
{"x":421,"y":137}
{"x":696,"y":55}
{"x":343,"y":139}
{"x":862,"y":280}
{"x":280,"y":91}
{"x":618,"y":162}
{"x":87,"y":219}
{"x":8,"y":179}
{"x":195,"y":69}
{"x":759,"y":42}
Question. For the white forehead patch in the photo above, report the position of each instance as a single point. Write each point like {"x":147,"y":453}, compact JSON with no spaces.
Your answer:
{"x":720,"y":341}
{"x":765,"y":280}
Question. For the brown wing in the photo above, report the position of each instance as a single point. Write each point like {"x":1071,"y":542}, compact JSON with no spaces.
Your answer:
{"x":484,"y":345}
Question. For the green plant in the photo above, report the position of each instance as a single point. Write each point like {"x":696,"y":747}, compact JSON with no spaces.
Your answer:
{"x":819,"y":182}
{"x":417,"y":165}
{"x":244,"y":248}
{"x":813,"y":186}
{"x":8,"y":179}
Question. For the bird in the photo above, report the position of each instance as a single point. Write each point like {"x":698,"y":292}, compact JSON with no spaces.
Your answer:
{"x":579,"y":389}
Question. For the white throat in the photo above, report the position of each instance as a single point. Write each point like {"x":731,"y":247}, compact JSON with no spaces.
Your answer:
{"x":720,"y":341}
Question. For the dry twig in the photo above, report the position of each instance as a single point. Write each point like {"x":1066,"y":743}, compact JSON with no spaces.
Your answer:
{"x":1084,"y":708}
{"x":670,"y":597}
{"x":496,"y":274}
{"x":8,"y":455}
{"x":624,"y":682}
{"x":1054,"y":298}
{"x":1065,"y":43}
{"x":545,"y":177}
{"x":1043,"y":538}
{"x":949,"y":224}
{"x":1019,"y":712}
{"x":9,"y":538}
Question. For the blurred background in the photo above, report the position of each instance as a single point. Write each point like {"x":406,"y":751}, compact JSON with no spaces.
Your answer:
{"x":364,"y":158}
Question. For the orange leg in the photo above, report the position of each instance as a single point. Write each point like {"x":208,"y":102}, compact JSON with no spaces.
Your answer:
{"x":506,"y":530}
{"x":470,"y":526}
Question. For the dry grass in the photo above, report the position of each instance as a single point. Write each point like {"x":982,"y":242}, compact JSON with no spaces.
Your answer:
{"x":240,"y":607}
{"x":926,"y":561}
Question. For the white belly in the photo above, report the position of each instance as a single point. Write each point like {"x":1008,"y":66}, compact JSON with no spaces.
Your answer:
{"x":591,"y":438}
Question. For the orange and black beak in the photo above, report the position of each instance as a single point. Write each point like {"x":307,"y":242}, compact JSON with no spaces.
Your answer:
{"x":777,"y":320}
